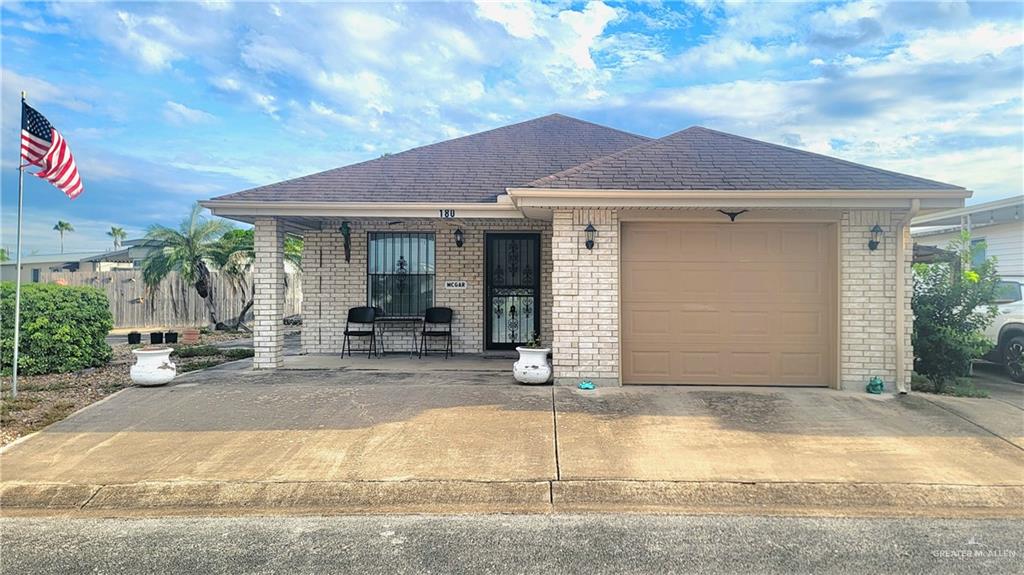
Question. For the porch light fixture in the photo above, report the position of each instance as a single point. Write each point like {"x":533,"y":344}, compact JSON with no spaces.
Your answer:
{"x":876,"y":238}
{"x":460,"y":238}
{"x":346,"y":233}
{"x":591,"y":232}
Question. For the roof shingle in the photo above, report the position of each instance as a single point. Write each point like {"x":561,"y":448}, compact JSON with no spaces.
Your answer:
{"x":698,"y":158}
{"x":474,"y":168}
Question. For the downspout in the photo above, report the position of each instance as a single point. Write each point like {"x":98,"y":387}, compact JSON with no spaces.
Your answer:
{"x":901,"y":294}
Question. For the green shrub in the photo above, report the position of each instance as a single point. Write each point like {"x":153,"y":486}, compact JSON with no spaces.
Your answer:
{"x":952,"y":308}
{"x":961,"y":387}
{"x":238,"y":353}
{"x":196,"y":351}
{"x":200,"y":364}
{"x":63,"y":328}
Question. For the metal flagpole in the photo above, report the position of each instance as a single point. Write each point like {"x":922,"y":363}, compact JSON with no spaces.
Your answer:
{"x":17,"y":281}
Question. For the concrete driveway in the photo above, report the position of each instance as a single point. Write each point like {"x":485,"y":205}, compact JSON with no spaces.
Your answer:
{"x":352,"y":439}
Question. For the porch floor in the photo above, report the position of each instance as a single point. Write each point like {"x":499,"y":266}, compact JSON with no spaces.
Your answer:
{"x":400,"y":362}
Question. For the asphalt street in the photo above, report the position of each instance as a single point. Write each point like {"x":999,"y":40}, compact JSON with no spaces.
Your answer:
{"x":586,"y":544}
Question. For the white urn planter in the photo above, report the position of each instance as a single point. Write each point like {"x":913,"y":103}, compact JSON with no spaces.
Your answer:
{"x":153,"y":366}
{"x":532,"y":366}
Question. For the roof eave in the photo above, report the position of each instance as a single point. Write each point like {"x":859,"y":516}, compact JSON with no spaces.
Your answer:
{"x":554,"y":197}
{"x":503,"y":208}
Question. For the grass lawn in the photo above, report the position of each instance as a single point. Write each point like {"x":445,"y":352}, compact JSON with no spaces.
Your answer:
{"x":45,"y":399}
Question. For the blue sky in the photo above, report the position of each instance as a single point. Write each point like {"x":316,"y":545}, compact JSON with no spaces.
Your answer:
{"x":167,"y":103}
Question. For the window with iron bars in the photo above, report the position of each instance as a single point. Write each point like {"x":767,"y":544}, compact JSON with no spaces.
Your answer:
{"x":400,"y":273}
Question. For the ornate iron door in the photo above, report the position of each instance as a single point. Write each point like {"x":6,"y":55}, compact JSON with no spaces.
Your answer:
{"x":512,"y":297}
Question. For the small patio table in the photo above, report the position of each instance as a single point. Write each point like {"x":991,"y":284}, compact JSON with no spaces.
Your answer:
{"x":387,"y":323}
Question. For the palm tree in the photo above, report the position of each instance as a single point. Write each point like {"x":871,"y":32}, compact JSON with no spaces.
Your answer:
{"x":234,"y":255}
{"x":118,"y":234}
{"x":187,"y":250}
{"x":60,"y":228}
{"x":4,"y":256}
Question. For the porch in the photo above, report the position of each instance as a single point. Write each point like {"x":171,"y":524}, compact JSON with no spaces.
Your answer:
{"x":493,"y":272}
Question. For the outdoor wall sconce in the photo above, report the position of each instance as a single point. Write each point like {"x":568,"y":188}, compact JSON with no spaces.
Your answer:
{"x":460,"y":238}
{"x":591,"y":232}
{"x":876,"y":238}
{"x":346,"y":233}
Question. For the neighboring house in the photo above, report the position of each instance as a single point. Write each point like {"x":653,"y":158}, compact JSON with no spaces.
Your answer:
{"x":697,"y":258}
{"x":999,"y":225}
{"x":131,"y":255}
{"x":32,"y":267}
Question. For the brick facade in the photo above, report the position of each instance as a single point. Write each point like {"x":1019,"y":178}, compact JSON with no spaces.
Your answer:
{"x":579,"y":290}
{"x":335,"y":285}
{"x":586,"y":294}
{"x":868,"y":311}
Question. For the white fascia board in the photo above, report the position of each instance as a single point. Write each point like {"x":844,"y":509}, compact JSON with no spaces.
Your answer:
{"x":248,"y":208}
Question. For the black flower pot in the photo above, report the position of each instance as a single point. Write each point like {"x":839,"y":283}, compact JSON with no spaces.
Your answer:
{"x":156,"y":338}
{"x":171,"y":337}
{"x":134,"y":338}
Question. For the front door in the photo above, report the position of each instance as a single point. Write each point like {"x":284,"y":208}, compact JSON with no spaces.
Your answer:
{"x":512,"y":294}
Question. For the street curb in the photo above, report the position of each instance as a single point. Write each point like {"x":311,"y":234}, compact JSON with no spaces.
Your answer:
{"x":802,"y":498}
{"x":573,"y":496}
{"x":228,"y":498}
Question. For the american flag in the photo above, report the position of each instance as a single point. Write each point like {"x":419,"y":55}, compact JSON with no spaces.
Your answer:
{"x":43,"y":146}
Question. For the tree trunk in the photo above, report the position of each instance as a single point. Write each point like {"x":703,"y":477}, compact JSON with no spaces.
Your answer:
{"x":204,"y":286}
{"x":241,"y":316}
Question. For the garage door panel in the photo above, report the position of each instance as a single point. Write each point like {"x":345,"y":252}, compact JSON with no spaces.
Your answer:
{"x":755,"y":364}
{"x":756,"y":323}
{"x":698,"y":323}
{"x":749,"y":304}
{"x":700,"y":364}
{"x":652,"y":364}
{"x":802,"y":323}
{"x":807,"y":365}
{"x":641,"y":322}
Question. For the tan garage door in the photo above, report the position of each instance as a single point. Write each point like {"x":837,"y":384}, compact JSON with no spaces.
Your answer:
{"x":731,"y":304}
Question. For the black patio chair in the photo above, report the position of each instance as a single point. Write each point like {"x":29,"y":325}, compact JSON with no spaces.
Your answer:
{"x":361,"y":316}
{"x":434,"y":317}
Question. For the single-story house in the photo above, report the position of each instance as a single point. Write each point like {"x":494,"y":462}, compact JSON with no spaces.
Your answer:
{"x":129,"y":256}
{"x":998,"y":225}
{"x":697,"y":258}
{"x":33,"y":266}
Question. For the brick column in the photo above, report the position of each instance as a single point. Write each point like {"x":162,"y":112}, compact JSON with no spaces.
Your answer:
{"x":585,"y":293}
{"x":868,"y":311}
{"x":268,"y":286}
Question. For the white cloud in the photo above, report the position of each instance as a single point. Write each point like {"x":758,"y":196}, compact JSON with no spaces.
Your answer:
{"x":176,"y":113}
{"x":139,"y":42}
{"x":985,"y":40}
{"x":367,"y":89}
{"x":217,"y":5}
{"x":226,"y":83}
{"x":39,"y":91}
{"x":992,"y":172}
{"x":265,"y":102}
{"x":366,"y":26}
{"x":723,"y":53}
{"x":518,"y":18}
{"x":556,"y":44}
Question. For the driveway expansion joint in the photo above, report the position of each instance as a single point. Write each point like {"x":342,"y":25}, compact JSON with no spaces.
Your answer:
{"x":972,"y":422}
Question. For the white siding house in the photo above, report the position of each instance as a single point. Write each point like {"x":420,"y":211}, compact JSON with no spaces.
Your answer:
{"x":1000,"y":224}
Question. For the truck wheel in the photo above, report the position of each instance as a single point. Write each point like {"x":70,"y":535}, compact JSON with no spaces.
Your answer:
{"x":1013,"y":358}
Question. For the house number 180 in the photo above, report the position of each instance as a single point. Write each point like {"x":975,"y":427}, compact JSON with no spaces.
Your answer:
{"x":446,"y":214}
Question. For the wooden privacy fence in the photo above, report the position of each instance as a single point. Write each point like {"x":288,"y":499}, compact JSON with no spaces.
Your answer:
{"x":173,"y":303}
